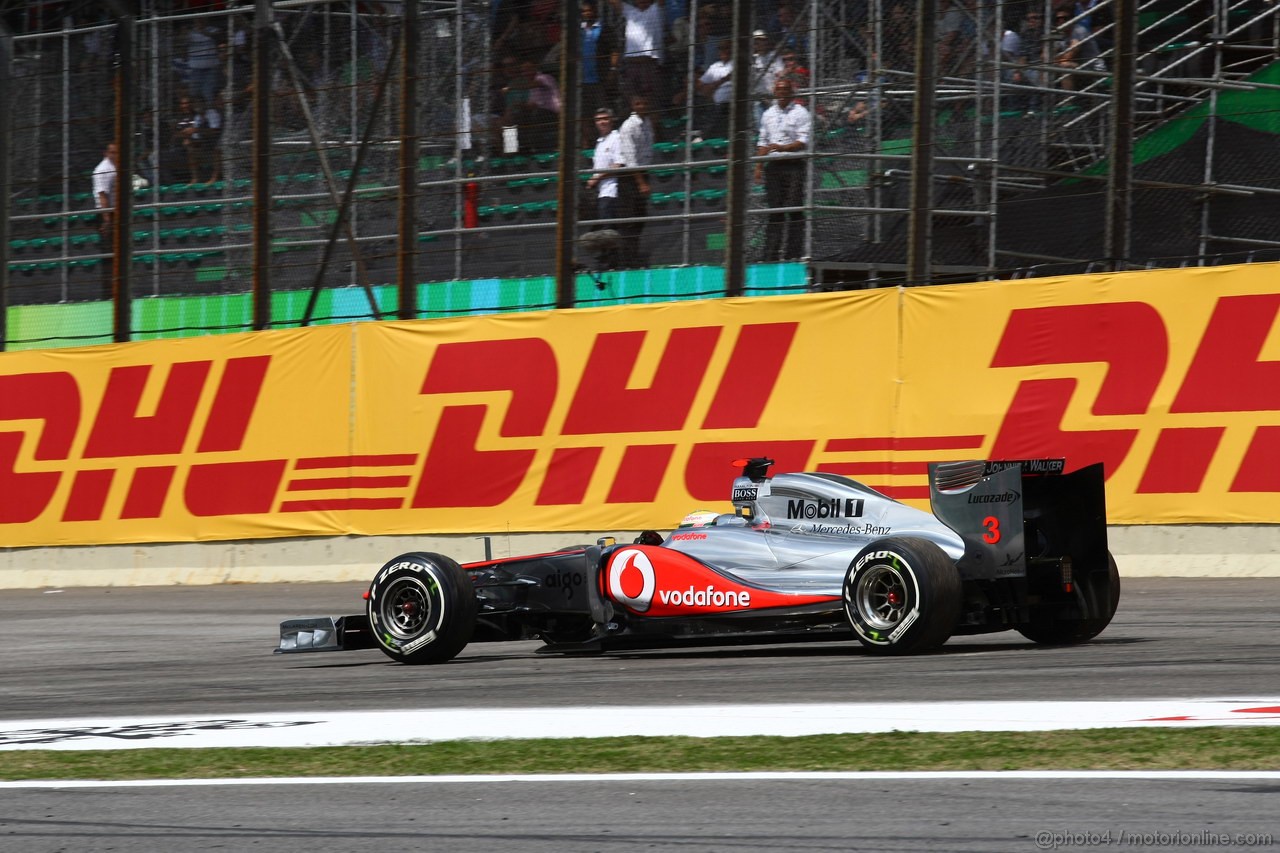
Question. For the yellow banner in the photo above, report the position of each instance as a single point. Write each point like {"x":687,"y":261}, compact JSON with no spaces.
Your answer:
{"x":624,"y":418}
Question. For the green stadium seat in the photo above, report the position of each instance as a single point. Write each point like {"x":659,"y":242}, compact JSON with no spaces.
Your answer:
{"x":711,"y":173}
{"x":667,"y":152}
{"x":709,"y":198}
{"x":711,"y":149}
{"x":536,"y":210}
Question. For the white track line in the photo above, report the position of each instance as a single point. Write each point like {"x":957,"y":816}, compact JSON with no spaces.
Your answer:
{"x":304,"y":729}
{"x":629,"y":778}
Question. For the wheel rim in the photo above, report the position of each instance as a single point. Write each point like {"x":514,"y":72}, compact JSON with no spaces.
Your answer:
{"x":881,"y":597}
{"x":406,"y":608}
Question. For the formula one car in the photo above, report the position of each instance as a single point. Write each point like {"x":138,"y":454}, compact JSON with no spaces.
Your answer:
{"x":1010,"y":545}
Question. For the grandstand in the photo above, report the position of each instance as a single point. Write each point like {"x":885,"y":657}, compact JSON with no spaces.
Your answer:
{"x":1022,"y":136}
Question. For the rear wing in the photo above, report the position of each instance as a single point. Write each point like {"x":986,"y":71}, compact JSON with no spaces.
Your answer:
{"x":1013,"y":512}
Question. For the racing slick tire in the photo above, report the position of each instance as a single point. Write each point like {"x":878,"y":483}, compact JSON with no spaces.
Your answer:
{"x":422,"y":608}
{"x":902,"y":595}
{"x":1050,"y":631}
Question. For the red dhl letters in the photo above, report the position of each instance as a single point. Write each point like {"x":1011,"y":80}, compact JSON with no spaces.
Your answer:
{"x":574,"y":425}
{"x":118,"y":430}
{"x":457,"y":474}
{"x":1225,"y":375}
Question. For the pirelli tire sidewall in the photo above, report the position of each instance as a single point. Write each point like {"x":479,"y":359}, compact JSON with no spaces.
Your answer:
{"x":421,"y":608}
{"x":928,"y":596}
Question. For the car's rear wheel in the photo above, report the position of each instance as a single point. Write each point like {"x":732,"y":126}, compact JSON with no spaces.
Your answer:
{"x":902,"y":595}
{"x":422,"y":608}
{"x":1104,"y":593}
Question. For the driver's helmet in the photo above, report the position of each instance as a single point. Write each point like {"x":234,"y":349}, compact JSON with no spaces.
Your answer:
{"x":700,"y":518}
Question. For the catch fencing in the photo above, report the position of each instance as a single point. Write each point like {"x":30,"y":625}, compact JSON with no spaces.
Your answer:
{"x":314,"y":201}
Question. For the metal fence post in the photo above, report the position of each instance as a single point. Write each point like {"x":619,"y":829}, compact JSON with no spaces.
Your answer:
{"x":1120,"y":175}
{"x":6,"y":190}
{"x":406,"y":271}
{"x":262,"y":34}
{"x":920,"y":239}
{"x":570,"y":128}
{"x":735,"y":244}
{"x":122,"y":232}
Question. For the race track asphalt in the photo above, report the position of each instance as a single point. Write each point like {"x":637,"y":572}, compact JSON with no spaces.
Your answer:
{"x":1008,"y":815}
{"x":208,"y":649}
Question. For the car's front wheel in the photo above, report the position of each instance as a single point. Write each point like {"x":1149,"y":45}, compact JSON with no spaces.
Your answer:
{"x":902,"y":595}
{"x":422,"y":608}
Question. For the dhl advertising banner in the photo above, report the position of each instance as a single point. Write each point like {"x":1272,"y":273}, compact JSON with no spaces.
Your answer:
{"x":181,"y":440}
{"x":625,"y":418}
{"x":1170,"y":378}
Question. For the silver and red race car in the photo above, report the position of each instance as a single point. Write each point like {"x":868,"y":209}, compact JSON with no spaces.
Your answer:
{"x":1016,"y":545}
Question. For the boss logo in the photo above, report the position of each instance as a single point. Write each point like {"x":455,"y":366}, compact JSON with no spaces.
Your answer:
{"x":745,"y":494}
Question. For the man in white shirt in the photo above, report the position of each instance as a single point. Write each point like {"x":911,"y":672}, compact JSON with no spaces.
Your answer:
{"x":785,"y":132}
{"x":766,"y":68}
{"x":636,"y":140}
{"x":104,"y":200}
{"x":644,"y":38}
{"x":716,"y":83}
{"x":606,"y":158}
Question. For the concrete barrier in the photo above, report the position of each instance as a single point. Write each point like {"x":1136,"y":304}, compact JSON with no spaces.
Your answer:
{"x":1193,"y":550}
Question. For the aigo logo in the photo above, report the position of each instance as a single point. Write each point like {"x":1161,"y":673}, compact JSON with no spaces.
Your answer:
{"x":632,"y":580}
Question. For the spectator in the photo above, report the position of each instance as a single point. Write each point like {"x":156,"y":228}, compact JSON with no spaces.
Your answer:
{"x":633,"y":188}
{"x":787,"y":31}
{"x":793,"y":71}
{"x":1074,"y":47}
{"x":203,"y":72}
{"x":606,"y":159}
{"x":766,"y":66}
{"x":207,"y":147}
{"x":601,"y":57}
{"x":241,"y":54}
{"x":1031,"y":37}
{"x":712,"y":27}
{"x":532,"y":104}
{"x":858,"y":114}
{"x":643,"y":39}
{"x":716,"y":84}
{"x":957,"y":38}
{"x":785,"y":130}
{"x":899,"y":37}
{"x":178,"y":163}
{"x":104,"y":200}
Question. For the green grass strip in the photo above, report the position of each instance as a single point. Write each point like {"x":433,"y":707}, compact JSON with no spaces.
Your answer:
{"x":1208,"y":748}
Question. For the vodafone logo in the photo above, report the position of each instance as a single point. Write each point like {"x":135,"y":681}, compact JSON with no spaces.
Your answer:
{"x":631,"y":580}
